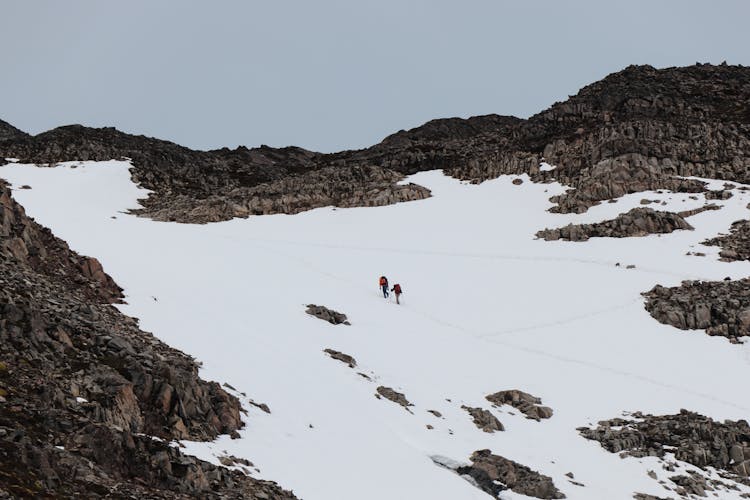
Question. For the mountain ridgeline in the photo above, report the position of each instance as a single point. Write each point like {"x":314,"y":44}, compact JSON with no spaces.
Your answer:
{"x":632,"y":131}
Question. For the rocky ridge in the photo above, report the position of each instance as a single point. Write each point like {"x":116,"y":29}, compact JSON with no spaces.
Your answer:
{"x":635,"y":130}
{"x":88,"y":401}
{"x":637,"y":222}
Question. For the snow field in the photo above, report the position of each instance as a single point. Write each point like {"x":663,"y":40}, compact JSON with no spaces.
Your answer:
{"x":486,"y":308}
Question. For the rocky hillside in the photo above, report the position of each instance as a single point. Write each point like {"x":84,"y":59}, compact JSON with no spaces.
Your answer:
{"x":632,"y":131}
{"x":88,"y":401}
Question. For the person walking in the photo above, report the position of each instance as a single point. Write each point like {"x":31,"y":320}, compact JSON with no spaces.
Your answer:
{"x":384,"y":286}
{"x":397,"y":290}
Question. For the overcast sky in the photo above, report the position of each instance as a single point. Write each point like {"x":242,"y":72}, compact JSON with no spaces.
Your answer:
{"x":331,"y":74}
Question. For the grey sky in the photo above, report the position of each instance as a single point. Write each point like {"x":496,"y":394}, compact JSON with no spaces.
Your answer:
{"x":331,"y":74}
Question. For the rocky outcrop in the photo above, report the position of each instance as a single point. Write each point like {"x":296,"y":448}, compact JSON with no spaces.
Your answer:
{"x":720,"y":307}
{"x":86,"y":397}
{"x":735,"y":245}
{"x":364,"y":186}
{"x":693,"y":438}
{"x":484,"y":419}
{"x":494,"y":474}
{"x":696,"y":211}
{"x":636,"y":222}
{"x":635,"y":130}
{"x":394,"y":396}
{"x":329,"y":315}
{"x":340,"y":356}
{"x":529,"y":405}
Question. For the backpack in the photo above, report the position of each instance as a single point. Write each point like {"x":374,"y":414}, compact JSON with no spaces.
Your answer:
{"x":397,"y":288}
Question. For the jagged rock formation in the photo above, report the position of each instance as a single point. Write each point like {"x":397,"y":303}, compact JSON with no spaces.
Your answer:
{"x":636,"y":222}
{"x":635,"y":130}
{"x":494,"y":474}
{"x":721,"y":307}
{"x":484,"y":419}
{"x":529,"y":405}
{"x":82,"y":388}
{"x":329,"y":315}
{"x":340,"y":356}
{"x":392,"y":395}
{"x":692,"y":437}
{"x":735,"y":245}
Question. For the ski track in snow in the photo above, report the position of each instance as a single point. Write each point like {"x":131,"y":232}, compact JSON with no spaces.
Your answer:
{"x":486,"y":308}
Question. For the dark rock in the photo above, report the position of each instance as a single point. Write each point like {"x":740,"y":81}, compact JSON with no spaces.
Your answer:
{"x":484,"y":419}
{"x":322,"y":312}
{"x":344,"y":358}
{"x":696,"y":211}
{"x":394,"y":396}
{"x":692,"y":437}
{"x":735,"y":245}
{"x":720,"y":307}
{"x":723,"y":194}
{"x":636,"y":222}
{"x":493,"y":474}
{"x":529,"y":405}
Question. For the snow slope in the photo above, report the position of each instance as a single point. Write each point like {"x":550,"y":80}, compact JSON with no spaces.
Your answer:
{"x":486,"y":308}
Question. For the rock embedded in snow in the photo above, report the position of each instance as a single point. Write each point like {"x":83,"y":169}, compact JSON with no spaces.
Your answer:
{"x":696,"y":211}
{"x":344,"y":358}
{"x":529,"y":405}
{"x":494,"y":474}
{"x":484,"y":419}
{"x":693,"y":438}
{"x":723,"y":194}
{"x":322,"y":312}
{"x":722,"y":308}
{"x":735,"y":245}
{"x":636,"y":222}
{"x":644,"y":496}
{"x":394,"y":396}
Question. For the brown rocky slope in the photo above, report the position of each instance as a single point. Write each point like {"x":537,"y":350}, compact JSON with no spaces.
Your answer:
{"x":87,"y":399}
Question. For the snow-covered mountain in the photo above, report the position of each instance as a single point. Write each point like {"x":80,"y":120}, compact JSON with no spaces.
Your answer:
{"x":574,"y":320}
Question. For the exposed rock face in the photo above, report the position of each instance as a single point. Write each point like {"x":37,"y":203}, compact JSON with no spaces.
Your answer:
{"x":635,"y":130}
{"x":322,"y":312}
{"x":529,"y":405}
{"x":77,"y":373}
{"x":636,"y":222}
{"x":344,"y":358}
{"x":484,"y":419}
{"x":394,"y":396}
{"x":735,"y":245}
{"x":493,"y":474}
{"x":365,"y":186}
{"x":721,"y":307}
{"x":692,"y":438}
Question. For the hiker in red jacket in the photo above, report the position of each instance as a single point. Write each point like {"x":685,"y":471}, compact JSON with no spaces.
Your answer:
{"x":384,"y":286}
{"x":397,"y":290}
